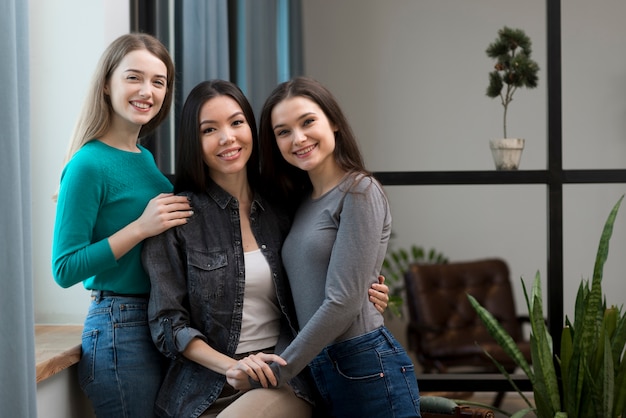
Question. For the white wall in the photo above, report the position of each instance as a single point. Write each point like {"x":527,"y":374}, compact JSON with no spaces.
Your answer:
{"x":67,"y":38}
{"x":411,"y":76}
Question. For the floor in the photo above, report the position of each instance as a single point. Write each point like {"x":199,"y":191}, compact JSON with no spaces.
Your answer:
{"x":511,"y":403}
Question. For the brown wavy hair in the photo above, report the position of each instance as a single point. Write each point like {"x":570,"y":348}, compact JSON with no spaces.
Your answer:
{"x":285,"y":182}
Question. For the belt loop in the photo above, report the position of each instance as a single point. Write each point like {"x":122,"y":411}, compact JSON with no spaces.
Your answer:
{"x":96,"y":295}
{"x":385,"y":332}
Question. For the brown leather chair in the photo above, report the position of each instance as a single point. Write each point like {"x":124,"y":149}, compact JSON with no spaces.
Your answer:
{"x":444,"y":331}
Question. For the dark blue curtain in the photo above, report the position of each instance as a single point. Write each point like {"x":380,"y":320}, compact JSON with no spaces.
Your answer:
{"x":254,"y":43}
{"x":267,"y":46}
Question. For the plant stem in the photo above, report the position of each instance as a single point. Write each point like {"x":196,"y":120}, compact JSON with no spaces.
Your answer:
{"x":506,"y":100}
{"x":506,"y":106}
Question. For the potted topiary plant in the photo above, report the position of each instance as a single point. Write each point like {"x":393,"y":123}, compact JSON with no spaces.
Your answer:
{"x":514,"y":68}
{"x":590,"y":380}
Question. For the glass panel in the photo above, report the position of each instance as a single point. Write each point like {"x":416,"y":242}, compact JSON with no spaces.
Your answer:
{"x":412,"y":76}
{"x":594,"y":84}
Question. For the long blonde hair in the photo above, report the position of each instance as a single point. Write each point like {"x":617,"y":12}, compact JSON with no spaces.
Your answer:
{"x":96,"y":115}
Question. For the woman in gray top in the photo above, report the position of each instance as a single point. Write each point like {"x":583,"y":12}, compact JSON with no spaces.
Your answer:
{"x":334,"y":250}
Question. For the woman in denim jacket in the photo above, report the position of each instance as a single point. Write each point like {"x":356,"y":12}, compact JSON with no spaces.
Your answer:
{"x":219,"y":291}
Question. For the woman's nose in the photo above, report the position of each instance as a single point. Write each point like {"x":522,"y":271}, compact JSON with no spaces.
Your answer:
{"x":145,"y":90}
{"x":227,"y":138}
{"x":299,"y":137}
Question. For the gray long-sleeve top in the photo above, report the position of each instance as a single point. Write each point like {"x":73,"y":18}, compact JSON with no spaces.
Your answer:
{"x":333,"y":253}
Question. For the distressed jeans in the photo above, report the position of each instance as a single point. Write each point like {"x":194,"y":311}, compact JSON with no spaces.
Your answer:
{"x":120,"y":369}
{"x":367,"y":376}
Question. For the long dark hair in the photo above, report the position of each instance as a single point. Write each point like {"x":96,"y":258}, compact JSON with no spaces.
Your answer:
{"x":191,"y":172}
{"x":290,"y":183}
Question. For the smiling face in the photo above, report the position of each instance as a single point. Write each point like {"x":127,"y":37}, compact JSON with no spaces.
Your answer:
{"x":137,"y":88}
{"x":225,"y":136}
{"x":304,"y":135}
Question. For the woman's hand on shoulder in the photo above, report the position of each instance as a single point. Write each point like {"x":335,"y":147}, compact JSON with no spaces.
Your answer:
{"x":256,"y":367}
{"x":164,"y":212}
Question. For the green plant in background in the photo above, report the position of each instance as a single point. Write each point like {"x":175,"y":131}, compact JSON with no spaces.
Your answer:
{"x":514,"y":67}
{"x":590,"y":366}
{"x":397,"y":263}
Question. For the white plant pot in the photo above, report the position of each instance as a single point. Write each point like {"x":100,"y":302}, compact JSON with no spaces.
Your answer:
{"x":506,"y":152}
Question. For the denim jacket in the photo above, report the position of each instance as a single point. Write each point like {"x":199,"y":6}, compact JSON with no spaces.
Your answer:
{"x":197,"y":275}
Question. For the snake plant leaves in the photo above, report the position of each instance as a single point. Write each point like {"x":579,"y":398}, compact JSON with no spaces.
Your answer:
{"x":590,"y":362}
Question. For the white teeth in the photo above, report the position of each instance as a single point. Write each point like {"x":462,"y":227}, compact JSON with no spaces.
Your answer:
{"x":230,"y":154}
{"x":141,"y":105}
{"x":304,"y":151}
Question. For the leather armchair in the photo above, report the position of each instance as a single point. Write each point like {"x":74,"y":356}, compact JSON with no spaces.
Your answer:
{"x":445,"y":332}
{"x":440,"y":407}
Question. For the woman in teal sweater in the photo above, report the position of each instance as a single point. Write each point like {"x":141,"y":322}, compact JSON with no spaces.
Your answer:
{"x":111,"y":197}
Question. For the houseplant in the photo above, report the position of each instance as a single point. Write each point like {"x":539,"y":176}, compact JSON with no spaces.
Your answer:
{"x":397,"y":263}
{"x":588,"y":377}
{"x":514,"y":68}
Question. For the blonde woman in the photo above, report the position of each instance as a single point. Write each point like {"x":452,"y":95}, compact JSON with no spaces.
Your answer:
{"x":111,"y":197}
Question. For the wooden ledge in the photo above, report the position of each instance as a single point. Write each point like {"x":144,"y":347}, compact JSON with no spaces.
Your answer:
{"x":57,"y":347}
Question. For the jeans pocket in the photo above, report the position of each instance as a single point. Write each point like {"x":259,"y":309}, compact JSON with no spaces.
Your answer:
{"x":132,"y":314}
{"x":410,"y":379}
{"x":87,"y":363}
{"x":402,"y":381}
{"x":363,"y":365}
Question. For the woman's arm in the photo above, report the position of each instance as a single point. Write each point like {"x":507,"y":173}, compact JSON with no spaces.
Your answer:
{"x":170,"y":317}
{"x":75,"y":254}
{"x":168,"y":311}
{"x":162,"y":213}
{"x":356,"y":257}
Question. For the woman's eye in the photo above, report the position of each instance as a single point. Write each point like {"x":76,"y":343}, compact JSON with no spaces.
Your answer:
{"x":208,"y":130}
{"x":308,"y":122}
{"x":239,"y":122}
{"x":281,"y":132}
{"x":160,"y":83}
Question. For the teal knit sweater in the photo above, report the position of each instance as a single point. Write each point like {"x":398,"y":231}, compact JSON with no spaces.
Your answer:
{"x":102,"y":190}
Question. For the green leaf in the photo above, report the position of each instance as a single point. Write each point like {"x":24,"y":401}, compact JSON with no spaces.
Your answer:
{"x":608,"y":379}
{"x":543,"y":359}
{"x":522,"y":413}
{"x":618,"y":340}
{"x":620,"y":390}
{"x":506,"y":374}
{"x":501,"y":336}
{"x":603,"y":247}
{"x":565,"y":361}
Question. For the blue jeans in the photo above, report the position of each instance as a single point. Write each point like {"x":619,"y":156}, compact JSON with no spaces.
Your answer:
{"x":120,"y":369}
{"x":367,"y":376}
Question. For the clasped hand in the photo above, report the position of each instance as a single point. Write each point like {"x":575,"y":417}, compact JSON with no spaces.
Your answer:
{"x":256,"y":367}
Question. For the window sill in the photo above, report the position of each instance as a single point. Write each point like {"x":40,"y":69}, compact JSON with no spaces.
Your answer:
{"x":57,"y":347}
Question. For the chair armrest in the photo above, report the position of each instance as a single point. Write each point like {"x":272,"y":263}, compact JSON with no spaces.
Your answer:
{"x":437,"y":405}
{"x":440,"y":407}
